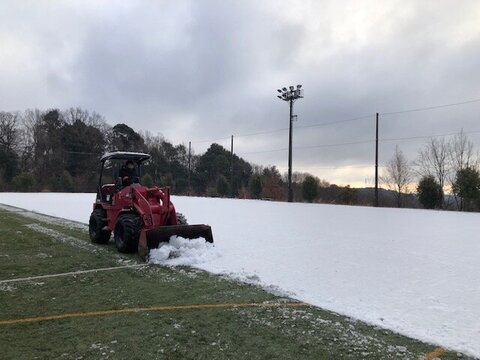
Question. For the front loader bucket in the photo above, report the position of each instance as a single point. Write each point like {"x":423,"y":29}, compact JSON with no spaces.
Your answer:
{"x":150,"y":239}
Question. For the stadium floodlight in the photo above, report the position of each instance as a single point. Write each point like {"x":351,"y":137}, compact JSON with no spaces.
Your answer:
{"x":290,"y":96}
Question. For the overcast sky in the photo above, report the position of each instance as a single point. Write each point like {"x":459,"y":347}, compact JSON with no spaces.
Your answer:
{"x":204,"y":70}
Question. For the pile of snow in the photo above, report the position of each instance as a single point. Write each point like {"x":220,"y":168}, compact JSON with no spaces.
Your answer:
{"x":416,"y":272}
{"x":180,"y":251}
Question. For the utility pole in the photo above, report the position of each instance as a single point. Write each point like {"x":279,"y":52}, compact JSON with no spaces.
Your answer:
{"x":189,"y":164}
{"x":290,"y":96}
{"x":376,"y":160}
{"x":231,"y":168}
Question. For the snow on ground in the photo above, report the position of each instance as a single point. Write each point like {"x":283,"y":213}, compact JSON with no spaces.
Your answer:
{"x":180,"y":251}
{"x":413,"y":271}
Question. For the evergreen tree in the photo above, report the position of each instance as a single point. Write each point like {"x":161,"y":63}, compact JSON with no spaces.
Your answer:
{"x":9,"y":162}
{"x":310,"y":188}
{"x":147,"y":180}
{"x":272,"y":184}
{"x":347,"y":195}
{"x":9,"y":139}
{"x":24,"y":182}
{"x":168,"y":180}
{"x":83,"y":145}
{"x":124,"y":138}
{"x":430,"y":192}
{"x":223,"y":187}
{"x":467,"y":186}
{"x":64,"y":183}
{"x":255,"y":186}
{"x":49,"y":148}
{"x":216,"y":162}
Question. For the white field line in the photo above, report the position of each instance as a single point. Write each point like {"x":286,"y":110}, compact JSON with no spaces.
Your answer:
{"x":81,"y":244}
{"x":42,"y":217}
{"x":71,"y":273}
{"x":54,"y":234}
{"x":66,"y":239}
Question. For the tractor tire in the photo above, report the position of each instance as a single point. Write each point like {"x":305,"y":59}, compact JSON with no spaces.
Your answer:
{"x":95,"y":226}
{"x":181,"y":219}
{"x":127,"y":232}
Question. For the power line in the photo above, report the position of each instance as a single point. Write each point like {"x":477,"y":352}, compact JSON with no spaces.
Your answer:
{"x":266,"y":132}
{"x":346,"y":120}
{"x":310,"y":147}
{"x":335,"y":122}
{"x":339,"y":167}
{"x":430,"y":136}
{"x":362,"y":142}
{"x":263,"y":151}
{"x":430,"y":107}
{"x":262,"y":132}
{"x":332,"y":145}
{"x":212,"y":140}
{"x":306,"y":126}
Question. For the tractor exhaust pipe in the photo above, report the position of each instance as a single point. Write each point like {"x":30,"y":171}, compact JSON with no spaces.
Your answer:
{"x":151,"y":239}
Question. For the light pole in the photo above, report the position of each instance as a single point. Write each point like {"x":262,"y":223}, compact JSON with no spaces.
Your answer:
{"x":290,"y":95}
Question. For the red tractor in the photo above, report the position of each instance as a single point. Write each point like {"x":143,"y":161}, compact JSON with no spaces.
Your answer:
{"x":140,"y":217}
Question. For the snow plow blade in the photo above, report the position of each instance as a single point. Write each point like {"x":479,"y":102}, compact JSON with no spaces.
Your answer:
{"x":150,"y":239}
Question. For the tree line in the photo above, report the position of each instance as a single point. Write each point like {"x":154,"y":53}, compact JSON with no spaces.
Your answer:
{"x":446,"y":171}
{"x":59,"y":150}
{"x":56,"y":150}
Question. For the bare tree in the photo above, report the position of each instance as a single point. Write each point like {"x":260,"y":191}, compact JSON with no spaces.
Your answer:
{"x":8,"y":145}
{"x":9,"y":130}
{"x":70,"y":116}
{"x":31,"y":120}
{"x":434,"y":160}
{"x":398,"y":175}
{"x":75,"y":114}
{"x":461,"y":152}
{"x":461,"y":156}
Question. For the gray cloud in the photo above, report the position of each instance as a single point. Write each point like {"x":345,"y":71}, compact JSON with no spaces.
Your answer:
{"x":205,"y":70}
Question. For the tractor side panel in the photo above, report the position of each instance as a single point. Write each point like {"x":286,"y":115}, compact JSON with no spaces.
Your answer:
{"x":153,"y":205}
{"x":121,"y":202}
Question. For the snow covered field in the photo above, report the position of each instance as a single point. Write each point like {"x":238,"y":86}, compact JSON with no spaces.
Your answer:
{"x":413,"y":271}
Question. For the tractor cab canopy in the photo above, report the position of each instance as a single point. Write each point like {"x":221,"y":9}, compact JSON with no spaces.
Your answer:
{"x":111,"y":166}
{"x":125,"y":155}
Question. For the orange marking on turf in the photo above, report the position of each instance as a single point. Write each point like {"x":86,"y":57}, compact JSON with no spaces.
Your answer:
{"x":144,"y":309}
{"x":435,"y":353}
